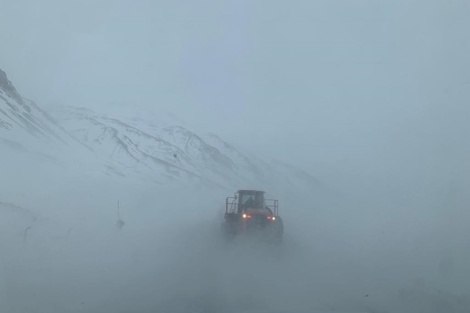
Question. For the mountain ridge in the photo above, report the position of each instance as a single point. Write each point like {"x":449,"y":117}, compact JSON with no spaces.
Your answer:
{"x":136,"y":146}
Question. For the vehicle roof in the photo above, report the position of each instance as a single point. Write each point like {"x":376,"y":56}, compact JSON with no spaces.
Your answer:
{"x":250,"y":190}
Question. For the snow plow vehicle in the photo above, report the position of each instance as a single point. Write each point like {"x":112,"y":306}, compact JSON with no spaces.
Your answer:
{"x":249,"y":213}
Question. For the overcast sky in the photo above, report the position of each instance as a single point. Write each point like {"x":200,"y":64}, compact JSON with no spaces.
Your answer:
{"x":343,"y":88}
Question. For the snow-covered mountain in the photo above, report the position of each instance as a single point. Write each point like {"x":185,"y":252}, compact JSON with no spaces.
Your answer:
{"x":25,"y":126}
{"x":147,"y":147}
{"x":143,"y":147}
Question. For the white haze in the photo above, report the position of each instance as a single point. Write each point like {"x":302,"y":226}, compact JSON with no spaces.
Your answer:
{"x":169,"y":256}
{"x":372,"y":97}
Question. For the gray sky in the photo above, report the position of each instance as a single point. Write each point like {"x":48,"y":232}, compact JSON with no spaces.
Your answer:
{"x":347,"y":89}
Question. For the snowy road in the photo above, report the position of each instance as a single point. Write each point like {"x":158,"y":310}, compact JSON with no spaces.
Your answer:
{"x":188,"y":272}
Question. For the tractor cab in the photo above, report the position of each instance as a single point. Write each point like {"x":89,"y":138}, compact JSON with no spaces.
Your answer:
{"x":250,"y":200}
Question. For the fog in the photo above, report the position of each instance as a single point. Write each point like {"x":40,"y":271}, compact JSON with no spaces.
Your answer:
{"x":369,"y":97}
{"x":63,"y":252}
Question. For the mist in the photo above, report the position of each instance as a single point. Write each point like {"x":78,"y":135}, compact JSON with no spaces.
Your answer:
{"x":65,"y":253}
{"x":354,"y":114}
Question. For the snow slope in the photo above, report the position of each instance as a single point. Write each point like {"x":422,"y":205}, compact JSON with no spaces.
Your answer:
{"x":140,"y":146}
{"x":23,"y":125}
{"x":152,"y":148}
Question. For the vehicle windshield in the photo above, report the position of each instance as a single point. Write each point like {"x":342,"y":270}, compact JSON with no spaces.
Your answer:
{"x":254,"y":200}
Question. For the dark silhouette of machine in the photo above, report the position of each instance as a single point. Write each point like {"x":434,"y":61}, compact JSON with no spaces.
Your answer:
{"x":248,"y":212}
